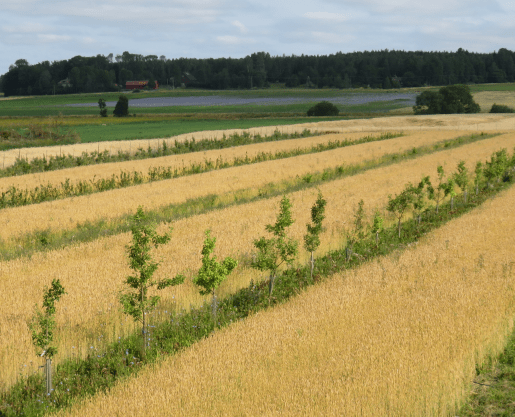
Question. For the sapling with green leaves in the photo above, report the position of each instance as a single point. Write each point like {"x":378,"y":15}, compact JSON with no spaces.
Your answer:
{"x":496,"y":167}
{"x":312,"y":238}
{"x":135,"y":300}
{"x":377,"y":226}
{"x":448,"y":188}
{"x":212,"y":273}
{"x":42,"y":327}
{"x":360,"y":229}
{"x":421,"y":196}
{"x":461,"y":178}
{"x":437,"y":194}
{"x":480,"y":175}
{"x":279,"y":249}
{"x":402,"y":202}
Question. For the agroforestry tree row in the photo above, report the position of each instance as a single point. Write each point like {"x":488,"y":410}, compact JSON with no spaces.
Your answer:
{"x":377,"y":69}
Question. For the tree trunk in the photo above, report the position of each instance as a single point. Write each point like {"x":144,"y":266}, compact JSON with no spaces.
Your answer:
{"x":452,"y":203}
{"x":271,"y":284}
{"x":312,"y":265}
{"x":48,"y":376}
{"x":399,"y":227}
{"x":465,"y":197}
{"x":377,"y":238}
{"x":214,"y":306}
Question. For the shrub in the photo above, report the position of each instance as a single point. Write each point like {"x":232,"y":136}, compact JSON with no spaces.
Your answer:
{"x":122,"y":107}
{"x":448,"y":100}
{"x":501,"y":108}
{"x":324,"y":108}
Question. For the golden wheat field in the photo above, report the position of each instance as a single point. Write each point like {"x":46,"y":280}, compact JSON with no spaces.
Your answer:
{"x":66,"y":213}
{"x":469,"y":122}
{"x":396,"y":337}
{"x":175,"y":161}
{"x":93,"y":272}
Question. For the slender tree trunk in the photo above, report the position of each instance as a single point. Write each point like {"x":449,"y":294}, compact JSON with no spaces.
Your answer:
{"x":214,"y":306}
{"x":48,"y":376}
{"x":143,"y":327}
{"x":465,"y":197}
{"x":377,"y":238}
{"x":271,"y":284}
{"x":477,"y":189}
{"x":399,"y":227}
{"x":312,"y":265}
{"x":452,"y":203}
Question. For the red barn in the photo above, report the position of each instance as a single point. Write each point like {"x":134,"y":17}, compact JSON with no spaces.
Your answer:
{"x":133,"y":85}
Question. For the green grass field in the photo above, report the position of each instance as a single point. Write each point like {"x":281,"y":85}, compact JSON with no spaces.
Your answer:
{"x":163,"y":129}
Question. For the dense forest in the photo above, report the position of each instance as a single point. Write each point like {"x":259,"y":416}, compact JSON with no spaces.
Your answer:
{"x":375,"y":69}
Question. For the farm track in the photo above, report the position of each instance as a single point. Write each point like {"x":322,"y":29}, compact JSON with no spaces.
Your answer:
{"x":413,"y":326}
{"x":67,"y":213}
{"x":93,"y":272}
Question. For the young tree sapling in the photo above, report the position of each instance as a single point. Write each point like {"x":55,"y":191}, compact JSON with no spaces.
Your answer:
{"x":377,"y":226}
{"x":312,"y":238}
{"x":42,"y":328}
{"x":212,"y":272}
{"x":279,"y":249}
{"x":135,"y":300}
{"x":461,"y":178}
{"x":402,"y":202}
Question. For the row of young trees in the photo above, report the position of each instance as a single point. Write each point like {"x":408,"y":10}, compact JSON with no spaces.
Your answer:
{"x":377,"y":69}
{"x":272,"y":252}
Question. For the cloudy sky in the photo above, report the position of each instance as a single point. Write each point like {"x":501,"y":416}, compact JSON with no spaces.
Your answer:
{"x":39,"y":30}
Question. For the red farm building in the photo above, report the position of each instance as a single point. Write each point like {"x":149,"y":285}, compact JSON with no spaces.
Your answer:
{"x":138,"y":85}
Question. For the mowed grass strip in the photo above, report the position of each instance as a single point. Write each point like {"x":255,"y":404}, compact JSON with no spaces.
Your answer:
{"x":397,"y":336}
{"x":93,"y":273}
{"x":106,"y":171}
{"x":67,"y":213}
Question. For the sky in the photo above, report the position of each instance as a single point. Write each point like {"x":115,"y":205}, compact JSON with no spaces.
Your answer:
{"x":53,"y":30}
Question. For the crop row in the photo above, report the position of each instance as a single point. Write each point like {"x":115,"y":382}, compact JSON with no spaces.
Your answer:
{"x":14,"y":197}
{"x":186,"y":328}
{"x":68,"y":213}
{"x":57,"y":162}
{"x":93,"y":272}
{"x":401,"y":336}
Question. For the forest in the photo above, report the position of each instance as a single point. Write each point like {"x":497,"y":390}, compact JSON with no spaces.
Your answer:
{"x":375,"y":69}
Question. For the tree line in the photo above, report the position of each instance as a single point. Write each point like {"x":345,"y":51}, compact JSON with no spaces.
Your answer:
{"x":376,"y":69}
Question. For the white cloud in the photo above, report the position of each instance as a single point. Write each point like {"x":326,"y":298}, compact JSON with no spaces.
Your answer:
{"x":240,"y":26}
{"x":330,"y":37}
{"x":28,"y":27}
{"x":53,"y":38}
{"x":333,"y":17}
{"x":230,"y":40}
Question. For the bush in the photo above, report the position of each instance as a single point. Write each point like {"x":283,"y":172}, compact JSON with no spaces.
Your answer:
{"x":122,"y":107}
{"x":501,"y":108}
{"x":448,"y":100}
{"x":324,"y":108}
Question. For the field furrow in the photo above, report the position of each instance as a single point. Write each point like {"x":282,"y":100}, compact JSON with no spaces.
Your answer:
{"x":93,"y":272}
{"x":400,"y":336}
{"x":67,"y":213}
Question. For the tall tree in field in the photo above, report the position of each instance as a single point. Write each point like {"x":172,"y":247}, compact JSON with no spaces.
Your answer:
{"x":279,"y":249}
{"x":212,"y":272}
{"x":312,"y":238}
{"x":135,"y":300}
